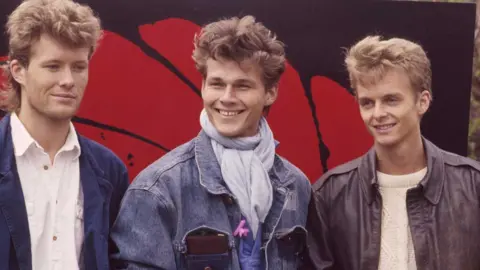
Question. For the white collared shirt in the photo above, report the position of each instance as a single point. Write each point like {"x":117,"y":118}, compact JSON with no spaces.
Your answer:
{"x":53,"y":198}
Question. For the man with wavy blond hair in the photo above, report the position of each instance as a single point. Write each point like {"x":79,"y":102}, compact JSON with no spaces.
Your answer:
{"x":406,"y":204}
{"x":59,"y":191}
{"x":224,"y":200}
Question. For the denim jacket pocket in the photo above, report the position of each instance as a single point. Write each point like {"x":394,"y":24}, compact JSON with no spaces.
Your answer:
{"x":291,"y":243}
{"x":208,"y":261}
{"x":207,"y":248}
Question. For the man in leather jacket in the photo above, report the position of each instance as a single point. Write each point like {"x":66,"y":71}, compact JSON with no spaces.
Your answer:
{"x":406,"y":204}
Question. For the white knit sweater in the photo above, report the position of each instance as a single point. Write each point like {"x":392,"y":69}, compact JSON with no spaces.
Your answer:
{"x":396,"y":249}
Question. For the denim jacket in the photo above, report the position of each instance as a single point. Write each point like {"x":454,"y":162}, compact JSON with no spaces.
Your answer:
{"x":183,"y":193}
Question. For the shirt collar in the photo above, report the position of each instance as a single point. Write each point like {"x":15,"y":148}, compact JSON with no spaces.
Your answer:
{"x":22,"y":140}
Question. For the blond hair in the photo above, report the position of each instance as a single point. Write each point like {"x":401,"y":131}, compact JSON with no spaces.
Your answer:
{"x":369,"y":60}
{"x":70,"y":23}
{"x":241,"y":39}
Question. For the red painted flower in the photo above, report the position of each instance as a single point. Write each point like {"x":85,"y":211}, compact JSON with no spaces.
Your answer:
{"x":140,"y":109}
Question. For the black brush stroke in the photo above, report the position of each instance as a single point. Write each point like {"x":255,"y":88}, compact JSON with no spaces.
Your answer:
{"x":99,"y":125}
{"x":322,"y":147}
{"x":154,"y":54}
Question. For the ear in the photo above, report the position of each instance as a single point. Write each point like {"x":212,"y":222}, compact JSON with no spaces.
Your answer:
{"x":18,"y":71}
{"x":272,"y":95}
{"x":424,"y":101}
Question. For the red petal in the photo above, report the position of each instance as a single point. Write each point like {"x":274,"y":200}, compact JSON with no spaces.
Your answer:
{"x":136,"y":154}
{"x":131,"y":91}
{"x":291,"y":120}
{"x":341,"y":126}
{"x":173,"y":38}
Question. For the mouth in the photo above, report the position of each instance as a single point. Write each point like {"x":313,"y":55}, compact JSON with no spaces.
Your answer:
{"x":229,"y":113}
{"x":384,"y":128}
{"x":64,"y":96}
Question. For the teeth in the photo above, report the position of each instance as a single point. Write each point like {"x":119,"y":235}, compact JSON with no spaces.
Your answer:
{"x":228,"y":113}
{"x":383,"y":127}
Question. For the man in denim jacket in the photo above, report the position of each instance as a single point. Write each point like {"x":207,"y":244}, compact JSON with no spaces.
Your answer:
{"x":224,"y":200}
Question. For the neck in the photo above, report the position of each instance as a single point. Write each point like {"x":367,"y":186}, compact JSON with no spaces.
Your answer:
{"x":50,"y":134}
{"x":405,"y":157}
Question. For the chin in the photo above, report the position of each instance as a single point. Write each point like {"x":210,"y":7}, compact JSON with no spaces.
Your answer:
{"x":386,"y":141}
{"x":230,"y":133}
{"x":60,"y":115}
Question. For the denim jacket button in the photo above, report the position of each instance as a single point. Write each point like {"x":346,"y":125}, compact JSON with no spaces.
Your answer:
{"x":228,"y":200}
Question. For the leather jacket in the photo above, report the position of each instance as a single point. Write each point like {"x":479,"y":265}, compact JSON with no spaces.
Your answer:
{"x":345,"y":213}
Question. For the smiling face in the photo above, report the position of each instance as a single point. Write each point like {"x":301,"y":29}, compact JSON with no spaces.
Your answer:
{"x":234,"y":96}
{"x":391,"y":109}
{"x":54,"y":81}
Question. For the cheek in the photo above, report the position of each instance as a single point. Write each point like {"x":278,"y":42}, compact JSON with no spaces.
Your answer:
{"x":39,"y":86}
{"x":81,"y":80}
{"x":209,"y":96}
{"x":42,"y":84}
{"x":255,"y":102}
{"x":366,"y":115}
{"x":404,"y":112}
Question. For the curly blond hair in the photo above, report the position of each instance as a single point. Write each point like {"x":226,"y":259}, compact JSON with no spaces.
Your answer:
{"x":369,"y":60}
{"x":71,"y":23}
{"x":241,"y":39}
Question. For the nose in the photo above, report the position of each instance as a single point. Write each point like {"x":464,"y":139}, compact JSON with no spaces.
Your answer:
{"x":228,"y":95}
{"x":379,"y":111}
{"x":66,"y":80}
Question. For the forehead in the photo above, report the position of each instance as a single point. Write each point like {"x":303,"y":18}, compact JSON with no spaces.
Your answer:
{"x":47,"y":48}
{"x":393,"y":83}
{"x":230,"y":70}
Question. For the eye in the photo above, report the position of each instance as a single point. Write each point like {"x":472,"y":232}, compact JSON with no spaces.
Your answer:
{"x":391,"y":100}
{"x":53,"y":67}
{"x":79,"y":68}
{"x":216,"y":84}
{"x":366,"y":103}
{"x":244,"y":86}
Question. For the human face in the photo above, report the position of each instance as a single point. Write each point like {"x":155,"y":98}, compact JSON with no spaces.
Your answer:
{"x":234,"y":96}
{"x":391,"y":109}
{"x":54,"y":81}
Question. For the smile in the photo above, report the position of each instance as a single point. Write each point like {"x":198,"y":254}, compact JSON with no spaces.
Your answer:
{"x":384,"y":127}
{"x":64,"y":96}
{"x":229,"y":113}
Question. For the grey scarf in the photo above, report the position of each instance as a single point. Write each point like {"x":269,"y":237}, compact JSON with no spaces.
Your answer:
{"x":245,"y":163}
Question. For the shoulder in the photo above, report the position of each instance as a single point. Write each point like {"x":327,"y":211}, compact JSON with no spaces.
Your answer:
{"x":169,"y":166}
{"x":338,"y":172}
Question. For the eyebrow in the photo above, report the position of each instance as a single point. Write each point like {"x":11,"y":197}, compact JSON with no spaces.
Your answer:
{"x":214,"y":79}
{"x":244,"y":81}
{"x":364,"y":99}
{"x":238,"y":81}
{"x":393,"y":95}
{"x":55,"y":61}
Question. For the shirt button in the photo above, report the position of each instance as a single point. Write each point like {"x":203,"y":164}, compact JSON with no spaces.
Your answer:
{"x":55,"y":238}
{"x":45,"y":167}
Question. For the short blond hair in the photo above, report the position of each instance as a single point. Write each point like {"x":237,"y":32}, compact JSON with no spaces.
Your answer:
{"x":71,"y":23}
{"x":240,"y":39}
{"x":369,"y":60}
